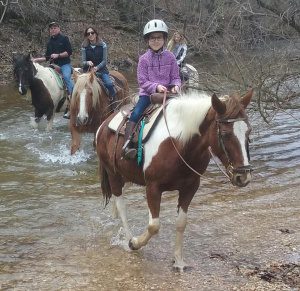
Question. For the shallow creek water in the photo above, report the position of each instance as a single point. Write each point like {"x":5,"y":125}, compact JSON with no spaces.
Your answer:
{"x":56,"y":235}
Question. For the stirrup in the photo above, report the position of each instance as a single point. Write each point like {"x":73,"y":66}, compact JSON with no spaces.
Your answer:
{"x":128,"y":153}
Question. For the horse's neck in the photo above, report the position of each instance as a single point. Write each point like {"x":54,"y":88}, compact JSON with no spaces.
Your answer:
{"x":39,"y":68}
{"x":186,"y":114}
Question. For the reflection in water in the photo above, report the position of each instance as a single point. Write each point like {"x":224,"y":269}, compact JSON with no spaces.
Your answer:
{"x":56,"y":235}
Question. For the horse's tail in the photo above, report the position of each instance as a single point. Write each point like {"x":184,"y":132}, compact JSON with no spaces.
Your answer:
{"x":105,"y":185}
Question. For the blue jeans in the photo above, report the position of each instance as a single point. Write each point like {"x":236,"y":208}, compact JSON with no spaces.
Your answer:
{"x":142,"y":104}
{"x":66,"y":71}
{"x":107,"y":83}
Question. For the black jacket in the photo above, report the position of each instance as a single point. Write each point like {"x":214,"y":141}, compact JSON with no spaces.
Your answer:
{"x":56,"y":45}
{"x":97,"y":54}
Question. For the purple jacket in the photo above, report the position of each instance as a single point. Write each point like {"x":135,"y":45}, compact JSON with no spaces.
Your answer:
{"x":157,"y":69}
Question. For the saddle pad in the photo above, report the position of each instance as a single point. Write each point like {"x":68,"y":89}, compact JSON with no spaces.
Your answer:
{"x":118,"y":118}
{"x":58,"y":78}
{"x":124,"y":112}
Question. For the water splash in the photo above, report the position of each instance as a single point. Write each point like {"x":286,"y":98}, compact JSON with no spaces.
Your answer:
{"x":120,"y":240}
{"x":61,"y":155}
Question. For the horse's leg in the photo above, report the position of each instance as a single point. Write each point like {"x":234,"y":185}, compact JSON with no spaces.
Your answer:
{"x":119,"y":204}
{"x":114,"y":209}
{"x":34,"y":121}
{"x":75,"y":140}
{"x":50,"y":118}
{"x":122,"y":211}
{"x":184,"y":200}
{"x":50,"y":123}
{"x":153,"y":199}
{"x":181,"y":221}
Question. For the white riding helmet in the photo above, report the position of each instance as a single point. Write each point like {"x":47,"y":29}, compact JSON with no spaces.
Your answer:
{"x":155,"y":25}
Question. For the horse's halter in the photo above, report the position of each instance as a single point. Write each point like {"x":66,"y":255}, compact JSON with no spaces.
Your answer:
{"x":230,"y":169}
{"x":25,"y":76}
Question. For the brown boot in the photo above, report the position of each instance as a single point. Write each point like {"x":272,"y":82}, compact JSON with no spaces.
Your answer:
{"x":128,"y":152}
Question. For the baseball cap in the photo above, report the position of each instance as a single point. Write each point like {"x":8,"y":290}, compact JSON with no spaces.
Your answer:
{"x":54,"y":23}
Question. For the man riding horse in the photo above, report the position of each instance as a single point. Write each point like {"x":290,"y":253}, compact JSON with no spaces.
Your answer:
{"x":58,"y":52}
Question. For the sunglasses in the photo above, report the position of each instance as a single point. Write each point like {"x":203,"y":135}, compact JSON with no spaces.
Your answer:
{"x":90,"y":33}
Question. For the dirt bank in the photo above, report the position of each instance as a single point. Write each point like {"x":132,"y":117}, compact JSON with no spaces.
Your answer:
{"x":123,"y":46}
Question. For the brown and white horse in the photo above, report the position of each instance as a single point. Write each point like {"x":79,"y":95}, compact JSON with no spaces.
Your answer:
{"x":194,"y":125}
{"x":90,"y":105}
{"x":46,"y":86}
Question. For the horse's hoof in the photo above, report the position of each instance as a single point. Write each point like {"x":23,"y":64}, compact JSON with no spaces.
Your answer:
{"x":131,"y":246}
{"x":181,"y":267}
{"x":74,"y":149}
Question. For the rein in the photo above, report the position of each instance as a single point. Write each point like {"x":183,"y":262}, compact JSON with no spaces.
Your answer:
{"x":181,"y":157}
{"x":230,"y":169}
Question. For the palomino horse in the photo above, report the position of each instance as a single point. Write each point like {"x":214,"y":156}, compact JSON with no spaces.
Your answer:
{"x":176,"y":155}
{"x":46,"y":86}
{"x":90,"y":105}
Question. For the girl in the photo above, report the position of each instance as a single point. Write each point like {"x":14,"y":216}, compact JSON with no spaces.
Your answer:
{"x":157,"y":72}
{"x":177,"y":45}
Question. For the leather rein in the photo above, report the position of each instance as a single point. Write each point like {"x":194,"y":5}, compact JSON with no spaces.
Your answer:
{"x":230,"y":169}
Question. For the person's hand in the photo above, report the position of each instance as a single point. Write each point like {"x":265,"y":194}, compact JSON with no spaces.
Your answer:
{"x":90,"y":63}
{"x":161,"y":89}
{"x":54,"y":56}
{"x":175,"y":89}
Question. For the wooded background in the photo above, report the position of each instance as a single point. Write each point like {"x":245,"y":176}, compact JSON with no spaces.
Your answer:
{"x":236,"y":43}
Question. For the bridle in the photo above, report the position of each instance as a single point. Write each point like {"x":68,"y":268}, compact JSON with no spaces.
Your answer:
{"x":23,"y":77}
{"x":230,"y":169}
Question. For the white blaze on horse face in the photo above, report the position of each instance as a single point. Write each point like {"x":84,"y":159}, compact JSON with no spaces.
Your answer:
{"x":82,"y":114}
{"x":240,"y":128}
{"x":20,"y":87}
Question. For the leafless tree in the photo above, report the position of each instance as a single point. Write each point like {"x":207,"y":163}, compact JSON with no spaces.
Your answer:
{"x":237,"y":43}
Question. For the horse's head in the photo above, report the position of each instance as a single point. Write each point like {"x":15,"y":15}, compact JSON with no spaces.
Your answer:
{"x":231,"y":143}
{"x":85,"y":98}
{"x":24,"y":71}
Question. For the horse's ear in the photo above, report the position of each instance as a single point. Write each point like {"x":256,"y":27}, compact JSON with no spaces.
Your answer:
{"x":247,"y":98}
{"x":218,"y":105}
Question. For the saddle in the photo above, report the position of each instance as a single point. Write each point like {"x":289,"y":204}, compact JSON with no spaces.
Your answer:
{"x":56,"y":71}
{"x":116,"y":82}
{"x":150,"y":118}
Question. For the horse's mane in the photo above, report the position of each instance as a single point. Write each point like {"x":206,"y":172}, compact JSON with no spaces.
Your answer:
{"x":82,"y":82}
{"x":38,"y":66}
{"x":186,"y":113}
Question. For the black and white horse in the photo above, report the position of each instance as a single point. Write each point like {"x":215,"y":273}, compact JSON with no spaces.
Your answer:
{"x":46,"y":86}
